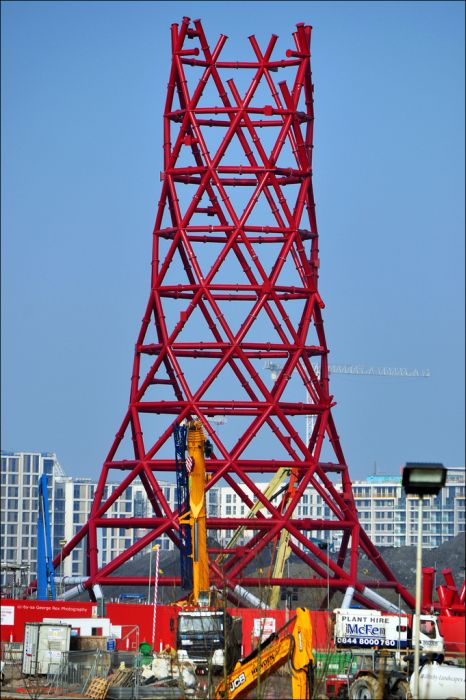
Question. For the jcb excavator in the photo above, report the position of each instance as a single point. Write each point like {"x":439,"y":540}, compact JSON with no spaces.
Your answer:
{"x":295,"y":648}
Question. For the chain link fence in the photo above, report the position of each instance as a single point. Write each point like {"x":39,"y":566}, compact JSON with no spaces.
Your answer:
{"x":74,"y":673}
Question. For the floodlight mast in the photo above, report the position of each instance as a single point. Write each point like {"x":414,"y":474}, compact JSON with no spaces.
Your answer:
{"x":235,"y":282}
{"x":421,"y":479}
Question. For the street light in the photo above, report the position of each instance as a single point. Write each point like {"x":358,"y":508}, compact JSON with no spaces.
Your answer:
{"x":62,"y":544}
{"x":153,"y":549}
{"x":421,"y":479}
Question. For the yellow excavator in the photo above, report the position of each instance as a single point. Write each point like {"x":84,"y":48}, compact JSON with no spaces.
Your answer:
{"x":294,"y":648}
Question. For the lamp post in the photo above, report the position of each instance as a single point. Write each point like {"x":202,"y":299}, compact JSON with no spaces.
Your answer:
{"x":150,"y":574}
{"x":156,"y":548}
{"x":421,"y":479}
{"x":328,"y":574}
{"x":62,"y":544}
{"x":152,"y":549}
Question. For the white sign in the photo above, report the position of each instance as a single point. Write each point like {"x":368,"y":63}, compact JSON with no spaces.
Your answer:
{"x":7,"y":613}
{"x":264,"y":626}
{"x":53,"y":655}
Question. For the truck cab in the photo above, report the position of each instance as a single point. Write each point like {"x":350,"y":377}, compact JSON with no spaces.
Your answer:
{"x":211,"y":639}
{"x":379,"y":643}
{"x":372,"y":629}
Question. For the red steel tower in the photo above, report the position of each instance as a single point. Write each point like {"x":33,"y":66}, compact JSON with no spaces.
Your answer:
{"x":235,"y":285}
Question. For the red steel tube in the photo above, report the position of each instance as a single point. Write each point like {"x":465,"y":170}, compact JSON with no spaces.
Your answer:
{"x":234,"y":282}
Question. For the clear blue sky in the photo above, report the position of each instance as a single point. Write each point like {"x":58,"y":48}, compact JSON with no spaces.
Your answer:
{"x":83,"y":87}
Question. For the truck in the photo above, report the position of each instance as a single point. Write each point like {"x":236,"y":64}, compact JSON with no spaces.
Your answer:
{"x":440,"y":681}
{"x":379,"y":644}
{"x":365,"y":629}
{"x":206,"y":634}
{"x":211,"y":639}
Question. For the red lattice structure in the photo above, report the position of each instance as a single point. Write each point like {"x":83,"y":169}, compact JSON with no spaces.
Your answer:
{"x":235,"y":285}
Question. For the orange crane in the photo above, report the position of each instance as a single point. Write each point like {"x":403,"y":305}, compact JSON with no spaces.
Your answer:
{"x":196,"y":517}
{"x":206,"y":634}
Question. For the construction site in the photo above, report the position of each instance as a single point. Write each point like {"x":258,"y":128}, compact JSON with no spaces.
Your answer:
{"x":234,"y":287}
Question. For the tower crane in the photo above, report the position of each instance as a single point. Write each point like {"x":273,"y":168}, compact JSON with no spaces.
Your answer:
{"x":377,"y":371}
{"x":359,"y":370}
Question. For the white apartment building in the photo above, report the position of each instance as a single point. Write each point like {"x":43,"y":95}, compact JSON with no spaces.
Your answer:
{"x":389,"y":518}
{"x":387,"y":515}
{"x":19,"y":476}
{"x":70,"y":501}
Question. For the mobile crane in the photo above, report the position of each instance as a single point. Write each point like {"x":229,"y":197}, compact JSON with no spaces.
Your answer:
{"x":195,"y":517}
{"x":206,"y":634}
{"x":295,"y":648}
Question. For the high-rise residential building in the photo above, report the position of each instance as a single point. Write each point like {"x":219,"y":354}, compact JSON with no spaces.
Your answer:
{"x":70,"y":501}
{"x":20,"y":472}
{"x":388,"y":516}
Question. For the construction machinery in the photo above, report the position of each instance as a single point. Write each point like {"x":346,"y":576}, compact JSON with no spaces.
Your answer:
{"x":45,"y":570}
{"x":379,"y":664}
{"x":194,"y":518}
{"x":207,"y":634}
{"x":275,"y":652}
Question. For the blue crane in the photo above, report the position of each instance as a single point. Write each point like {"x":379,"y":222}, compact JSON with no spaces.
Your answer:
{"x":45,"y":570}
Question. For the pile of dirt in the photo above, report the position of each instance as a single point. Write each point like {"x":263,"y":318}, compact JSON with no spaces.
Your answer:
{"x":450,"y":555}
{"x":401,"y":560}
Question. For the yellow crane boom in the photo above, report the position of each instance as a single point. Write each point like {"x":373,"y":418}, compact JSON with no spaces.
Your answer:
{"x":196,"y":517}
{"x":271,"y":488}
{"x":295,"y":648}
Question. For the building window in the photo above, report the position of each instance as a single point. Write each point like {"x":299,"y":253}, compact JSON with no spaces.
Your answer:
{"x":48,"y":466}
{"x":13,"y":464}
